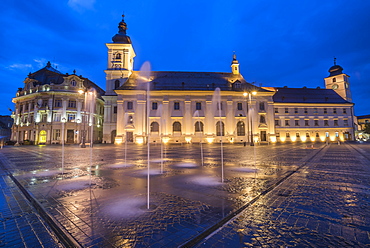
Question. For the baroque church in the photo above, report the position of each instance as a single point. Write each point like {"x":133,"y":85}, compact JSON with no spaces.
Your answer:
{"x":192,"y":107}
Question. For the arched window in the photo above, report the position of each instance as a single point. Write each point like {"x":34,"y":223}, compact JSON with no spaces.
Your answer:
{"x":117,"y":55}
{"x":240,"y":128}
{"x":334,"y":80}
{"x":116,"y":84}
{"x":220,"y":128}
{"x":176,"y":126}
{"x":198,"y":126}
{"x":154,"y":127}
{"x":73,"y":83}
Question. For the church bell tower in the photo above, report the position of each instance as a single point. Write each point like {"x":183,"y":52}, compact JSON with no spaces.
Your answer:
{"x":338,"y":81}
{"x":120,"y":59}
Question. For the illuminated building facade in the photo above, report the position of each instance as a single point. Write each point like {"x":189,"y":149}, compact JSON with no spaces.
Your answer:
{"x":52,"y":107}
{"x":187,"y":107}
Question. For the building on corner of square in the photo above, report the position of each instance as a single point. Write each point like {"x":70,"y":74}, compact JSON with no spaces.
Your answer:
{"x":53,"y":107}
{"x":192,"y":107}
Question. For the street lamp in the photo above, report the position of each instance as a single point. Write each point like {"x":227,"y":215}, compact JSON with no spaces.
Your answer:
{"x":83,"y":117}
{"x":249,"y":114}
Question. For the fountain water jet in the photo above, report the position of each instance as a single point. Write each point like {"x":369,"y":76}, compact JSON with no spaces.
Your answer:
{"x":216,"y":103}
{"x":196,"y":113}
{"x":145,"y":77}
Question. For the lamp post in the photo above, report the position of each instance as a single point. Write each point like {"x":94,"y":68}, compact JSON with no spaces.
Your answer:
{"x":249,"y":114}
{"x":83,"y":117}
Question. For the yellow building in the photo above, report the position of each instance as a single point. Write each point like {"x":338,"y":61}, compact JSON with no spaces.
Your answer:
{"x":186,"y":107}
{"x":53,"y":107}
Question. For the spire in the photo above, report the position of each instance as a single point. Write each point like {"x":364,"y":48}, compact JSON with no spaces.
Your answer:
{"x":235,"y":65}
{"x":122,"y":26}
{"x":335,"y":61}
{"x":235,"y":61}
{"x":121,"y":37}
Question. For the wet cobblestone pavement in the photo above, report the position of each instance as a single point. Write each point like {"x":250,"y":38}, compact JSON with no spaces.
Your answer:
{"x":289,"y":195}
{"x":20,"y":226}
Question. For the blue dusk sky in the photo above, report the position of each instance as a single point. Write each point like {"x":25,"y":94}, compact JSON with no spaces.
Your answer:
{"x":278,"y":43}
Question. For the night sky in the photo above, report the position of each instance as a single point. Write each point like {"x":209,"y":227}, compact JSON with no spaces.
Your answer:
{"x":278,"y":43}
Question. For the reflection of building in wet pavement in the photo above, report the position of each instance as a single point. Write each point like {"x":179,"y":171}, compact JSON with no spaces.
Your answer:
{"x":315,"y":202}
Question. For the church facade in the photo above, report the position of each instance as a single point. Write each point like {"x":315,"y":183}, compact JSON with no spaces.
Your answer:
{"x":192,"y":107}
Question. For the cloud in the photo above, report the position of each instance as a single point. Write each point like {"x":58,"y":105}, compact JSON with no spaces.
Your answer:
{"x":20,"y":66}
{"x":80,"y":5}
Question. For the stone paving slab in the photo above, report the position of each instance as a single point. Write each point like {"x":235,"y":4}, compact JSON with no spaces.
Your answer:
{"x":324,"y":203}
{"x":20,"y":226}
{"x":310,"y":209}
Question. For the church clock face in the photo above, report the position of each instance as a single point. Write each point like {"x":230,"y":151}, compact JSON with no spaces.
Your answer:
{"x":334,"y":86}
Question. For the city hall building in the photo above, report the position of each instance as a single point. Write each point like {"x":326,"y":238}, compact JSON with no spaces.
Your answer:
{"x":192,"y":107}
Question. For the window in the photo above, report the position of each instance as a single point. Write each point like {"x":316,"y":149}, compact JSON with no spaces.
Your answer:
{"x":220,"y":128}
{"x":296,"y":110}
{"x":73,"y":83}
{"x":71,"y":104}
{"x":326,"y":123}
{"x":335,"y":122}
{"x":276,"y":110}
{"x":154,"y":127}
{"x":176,"y":126}
{"x":57,"y":117}
{"x":176,"y":105}
{"x":198,"y":126}
{"x":325,"y":110}
{"x":71,"y":117}
{"x":334,"y":110}
{"x":130,"y":106}
{"x":117,"y":55}
{"x":297,"y":135}
{"x":334,"y":80}
{"x":296,"y":122}
{"x":58,"y":103}
{"x":287,"y":123}
{"x":317,"y":135}
{"x":154,"y":105}
{"x":262,"y":119}
{"x":115,"y":110}
{"x":130,"y":119}
{"x":240,"y":106}
{"x":116,"y":84}
{"x":306,"y":123}
{"x":307,"y":135}
{"x":240,"y":128}
{"x":277,"y":135}
{"x":315,"y":111}
{"x":262,"y":106}
{"x":316,"y":123}
{"x":43,"y":117}
{"x":287,"y":135}
{"x":56,"y":134}
{"x":198,"y":106}
{"x":305,"y":110}
{"x":344,"y":111}
{"x":219,"y":105}
{"x":345,"y":122}
{"x":286,"y":110}
{"x":277,"y":122}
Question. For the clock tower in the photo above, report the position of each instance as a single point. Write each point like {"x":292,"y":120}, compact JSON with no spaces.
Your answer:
{"x":339,"y":82}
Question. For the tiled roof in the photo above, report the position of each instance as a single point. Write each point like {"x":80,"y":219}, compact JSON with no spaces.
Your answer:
{"x":165,"y":80}
{"x":307,"y":95}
